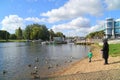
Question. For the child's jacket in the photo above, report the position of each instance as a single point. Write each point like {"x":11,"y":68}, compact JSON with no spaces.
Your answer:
{"x":90,"y":55}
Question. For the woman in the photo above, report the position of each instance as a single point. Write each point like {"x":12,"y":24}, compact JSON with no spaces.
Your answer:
{"x":105,"y":50}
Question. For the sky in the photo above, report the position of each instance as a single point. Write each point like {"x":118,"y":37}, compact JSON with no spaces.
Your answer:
{"x":71,"y":17}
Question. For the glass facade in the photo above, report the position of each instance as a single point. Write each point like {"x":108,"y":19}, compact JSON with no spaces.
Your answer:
{"x":109,"y":24}
{"x":117,"y":31}
{"x":109,"y":31}
{"x":117,"y":24}
{"x":112,"y":28}
{"x":117,"y":27}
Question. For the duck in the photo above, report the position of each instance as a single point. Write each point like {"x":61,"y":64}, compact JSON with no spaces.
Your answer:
{"x":4,"y":72}
{"x":37,"y":59}
{"x":50,"y":66}
{"x":29,"y":65}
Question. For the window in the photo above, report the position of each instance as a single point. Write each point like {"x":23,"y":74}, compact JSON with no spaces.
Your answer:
{"x":109,"y":31}
{"x":117,"y":24}
{"x":109,"y":24}
{"x":117,"y":31}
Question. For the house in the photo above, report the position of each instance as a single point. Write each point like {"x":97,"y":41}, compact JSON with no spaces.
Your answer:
{"x":59,"y":39}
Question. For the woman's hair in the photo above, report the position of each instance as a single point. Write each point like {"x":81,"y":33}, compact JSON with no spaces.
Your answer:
{"x":105,"y":40}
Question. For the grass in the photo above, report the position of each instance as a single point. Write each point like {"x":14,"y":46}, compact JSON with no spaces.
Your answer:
{"x":114,"y":50}
{"x":12,"y":40}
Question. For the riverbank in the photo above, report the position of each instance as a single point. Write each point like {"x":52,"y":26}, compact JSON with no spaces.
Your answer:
{"x":12,"y":40}
{"x":97,"y":64}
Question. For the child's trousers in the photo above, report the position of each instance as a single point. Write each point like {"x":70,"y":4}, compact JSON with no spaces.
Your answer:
{"x":89,"y":59}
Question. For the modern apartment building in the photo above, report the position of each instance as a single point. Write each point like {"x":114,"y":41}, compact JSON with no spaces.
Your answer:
{"x":112,"y":28}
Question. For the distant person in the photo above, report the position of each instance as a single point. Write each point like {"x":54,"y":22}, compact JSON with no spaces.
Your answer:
{"x":105,"y":50}
{"x":90,"y":55}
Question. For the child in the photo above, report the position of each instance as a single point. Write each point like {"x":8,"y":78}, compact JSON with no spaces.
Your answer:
{"x":90,"y":55}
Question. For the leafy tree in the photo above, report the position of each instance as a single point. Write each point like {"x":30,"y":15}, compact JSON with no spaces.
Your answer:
{"x":52,"y":34}
{"x":27,"y":32}
{"x":19,"y":33}
{"x":4,"y":35}
{"x":98,"y":34}
{"x":44,"y":32}
{"x":36,"y":31}
{"x":59,"y":34}
{"x":13,"y":36}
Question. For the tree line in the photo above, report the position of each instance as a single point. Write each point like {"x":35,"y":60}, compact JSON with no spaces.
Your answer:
{"x":31,"y":32}
{"x":96,"y":35}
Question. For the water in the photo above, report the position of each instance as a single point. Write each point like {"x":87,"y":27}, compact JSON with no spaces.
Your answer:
{"x":15,"y":58}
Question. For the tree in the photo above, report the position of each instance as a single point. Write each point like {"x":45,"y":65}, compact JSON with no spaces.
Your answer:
{"x":52,"y":34}
{"x":13,"y":36}
{"x":19,"y":33}
{"x":96,"y":35}
{"x":44,"y":32}
{"x":36,"y":31}
{"x":4,"y":35}
{"x":60,"y":34}
{"x":27,"y":32}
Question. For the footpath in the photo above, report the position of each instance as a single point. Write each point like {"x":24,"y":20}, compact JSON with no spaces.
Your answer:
{"x":99,"y":75}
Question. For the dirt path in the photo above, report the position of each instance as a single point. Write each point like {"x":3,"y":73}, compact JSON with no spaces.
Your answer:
{"x":98,"y":75}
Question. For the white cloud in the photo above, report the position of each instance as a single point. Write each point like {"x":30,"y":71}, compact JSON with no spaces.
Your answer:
{"x":73,"y":9}
{"x":98,"y":27}
{"x":33,"y":19}
{"x":12,"y":22}
{"x":94,"y":28}
{"x":118,"y":19}
{"x":112,"y":4}
{"x":77,"y":26}
{"x":74,"y":24}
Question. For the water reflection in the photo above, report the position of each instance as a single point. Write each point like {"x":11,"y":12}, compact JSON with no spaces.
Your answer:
{"x":15,"y":58}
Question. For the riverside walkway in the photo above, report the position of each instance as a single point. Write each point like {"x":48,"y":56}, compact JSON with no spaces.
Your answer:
{"x":99,"y":75}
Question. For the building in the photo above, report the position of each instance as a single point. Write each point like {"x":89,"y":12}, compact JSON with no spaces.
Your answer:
{"x":58,"y":39}
{"x":112,"y":28}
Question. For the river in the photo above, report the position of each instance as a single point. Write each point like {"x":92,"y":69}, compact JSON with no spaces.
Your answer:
{"x":18,"y":59}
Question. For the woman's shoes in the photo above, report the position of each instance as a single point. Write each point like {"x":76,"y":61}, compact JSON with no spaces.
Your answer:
{"x":105,"y":63}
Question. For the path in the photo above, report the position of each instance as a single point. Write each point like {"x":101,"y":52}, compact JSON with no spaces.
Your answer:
{"x":99,"y":75}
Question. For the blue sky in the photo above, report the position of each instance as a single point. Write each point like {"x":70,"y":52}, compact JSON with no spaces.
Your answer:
{"x":72,"y":17}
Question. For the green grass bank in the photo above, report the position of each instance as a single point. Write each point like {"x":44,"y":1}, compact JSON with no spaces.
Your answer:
{"x":12,"y":40}
{"x":114,"y":50}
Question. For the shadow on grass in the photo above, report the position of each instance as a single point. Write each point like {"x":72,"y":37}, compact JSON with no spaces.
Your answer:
{"x":115,"y":62}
